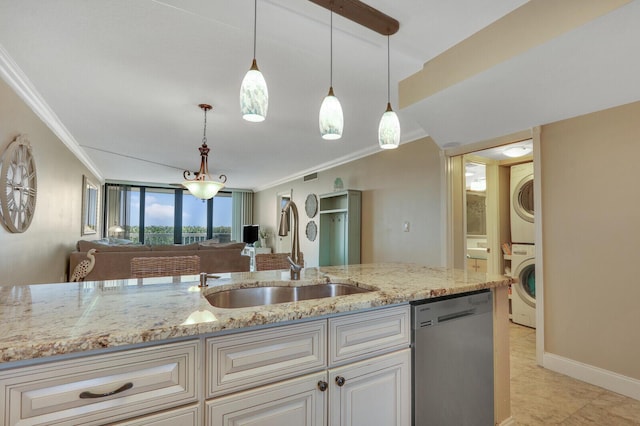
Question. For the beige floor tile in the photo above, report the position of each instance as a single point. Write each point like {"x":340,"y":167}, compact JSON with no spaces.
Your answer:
{"x":543,"y":397}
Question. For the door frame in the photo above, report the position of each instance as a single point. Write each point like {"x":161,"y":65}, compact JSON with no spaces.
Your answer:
{"x":453,"y":225}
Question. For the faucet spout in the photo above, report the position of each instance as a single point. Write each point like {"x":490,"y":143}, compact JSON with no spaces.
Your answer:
{"x":283,"y":230}
{"x":203,"y":278}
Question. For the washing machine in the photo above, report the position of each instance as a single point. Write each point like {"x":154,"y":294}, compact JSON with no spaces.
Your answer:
{"x":522,"y":211}
{"x":523,"y":293}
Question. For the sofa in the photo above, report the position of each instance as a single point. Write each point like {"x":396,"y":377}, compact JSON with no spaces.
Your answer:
{"x":113,"y":259}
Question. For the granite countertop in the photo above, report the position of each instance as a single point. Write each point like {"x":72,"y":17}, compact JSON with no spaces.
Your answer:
{"x":44,"y":320}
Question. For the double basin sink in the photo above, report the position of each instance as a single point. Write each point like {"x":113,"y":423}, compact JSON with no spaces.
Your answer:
{"x":257,"y":296}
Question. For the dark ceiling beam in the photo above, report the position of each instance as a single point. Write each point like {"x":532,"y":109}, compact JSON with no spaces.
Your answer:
{"x":362,"y":14}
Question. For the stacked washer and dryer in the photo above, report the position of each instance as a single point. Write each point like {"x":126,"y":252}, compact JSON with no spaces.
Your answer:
{"x":523,"y":261}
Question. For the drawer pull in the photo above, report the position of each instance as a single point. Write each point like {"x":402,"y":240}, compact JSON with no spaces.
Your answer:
{"x":122,"y":388}
{"x":322,"y":385}
{"x":340,"y":381}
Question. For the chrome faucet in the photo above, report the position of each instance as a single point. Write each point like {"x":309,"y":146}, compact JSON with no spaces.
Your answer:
{"x":283,"y":230}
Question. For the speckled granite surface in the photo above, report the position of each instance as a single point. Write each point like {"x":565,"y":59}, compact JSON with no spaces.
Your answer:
{"x":52,"y":319}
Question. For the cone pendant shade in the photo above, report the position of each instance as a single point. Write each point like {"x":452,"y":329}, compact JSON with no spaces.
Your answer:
{"x":254,"y":96}
{"x":331,"y":119}
{"x":389,"y":129}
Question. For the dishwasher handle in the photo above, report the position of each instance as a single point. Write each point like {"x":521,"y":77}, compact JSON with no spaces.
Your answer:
{"x":443,"y":311}
{"x":456,"y":315}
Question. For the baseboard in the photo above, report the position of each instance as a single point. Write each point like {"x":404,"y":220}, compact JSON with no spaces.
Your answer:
{"x":510,"y":421}
{"x":594,"y":375}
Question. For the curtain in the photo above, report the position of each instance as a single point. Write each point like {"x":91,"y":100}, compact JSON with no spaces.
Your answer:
{"x":242,"y":212}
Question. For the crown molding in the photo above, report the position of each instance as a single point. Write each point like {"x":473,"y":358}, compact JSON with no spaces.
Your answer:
{"x":373,"y":149}
{"x":19,"y":82}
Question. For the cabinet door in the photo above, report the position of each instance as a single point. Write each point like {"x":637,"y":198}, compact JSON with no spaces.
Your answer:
{"x":477,"y":265}
{"x":372,"y":392}
{"x":296,"y":402}
{"x":481,"y":265}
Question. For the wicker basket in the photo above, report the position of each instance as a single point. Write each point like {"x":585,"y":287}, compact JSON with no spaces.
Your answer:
{"x":271,"y":261}
{"x":167,"y":266}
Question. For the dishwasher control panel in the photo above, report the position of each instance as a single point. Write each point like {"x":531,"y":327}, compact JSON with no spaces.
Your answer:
{"x":440,"y":311}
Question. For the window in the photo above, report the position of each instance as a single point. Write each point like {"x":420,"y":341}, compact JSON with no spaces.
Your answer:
{"x":155,"y":216}
{"x":159,"y":216}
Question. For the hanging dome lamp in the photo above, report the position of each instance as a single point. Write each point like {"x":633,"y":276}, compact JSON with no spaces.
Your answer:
{"x":201,"y":185}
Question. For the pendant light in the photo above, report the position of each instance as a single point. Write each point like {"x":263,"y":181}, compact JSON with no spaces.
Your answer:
{"x":254,"y":96}
{"x":389,"y":128}
{"x":331,"y":119}
{"x":199,"y":186}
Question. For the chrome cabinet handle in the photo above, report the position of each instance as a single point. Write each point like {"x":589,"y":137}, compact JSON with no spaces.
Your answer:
{"x":322,"y":385}
{"x":87,"y":394}
{"x":340,"y":381}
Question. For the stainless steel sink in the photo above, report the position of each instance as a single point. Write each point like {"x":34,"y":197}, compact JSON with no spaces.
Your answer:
{"x":256,"y":296}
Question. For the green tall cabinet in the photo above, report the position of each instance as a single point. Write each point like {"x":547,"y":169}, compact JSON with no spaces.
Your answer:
{"x":340,"y":222}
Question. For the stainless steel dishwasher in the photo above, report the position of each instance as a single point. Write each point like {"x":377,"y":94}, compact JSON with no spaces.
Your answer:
{"x":453,"y":360}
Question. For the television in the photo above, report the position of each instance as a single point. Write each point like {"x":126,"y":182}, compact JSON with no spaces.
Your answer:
{"x":250,"y":233}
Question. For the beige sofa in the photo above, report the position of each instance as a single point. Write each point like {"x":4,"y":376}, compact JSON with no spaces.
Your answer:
{"x":113,"y":262}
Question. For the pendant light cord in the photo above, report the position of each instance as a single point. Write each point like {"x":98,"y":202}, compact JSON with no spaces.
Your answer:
{"x":388,"y":72}
{"x":255,"y":20}
{"x":331,"y":52}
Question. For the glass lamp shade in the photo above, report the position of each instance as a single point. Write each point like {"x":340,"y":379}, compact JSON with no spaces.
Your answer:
{"x":203,"y":189}
{"x":389,"y":129}
{"x":331,"y":118}
{"x":254,"y":96}
{"x":517,"y":151}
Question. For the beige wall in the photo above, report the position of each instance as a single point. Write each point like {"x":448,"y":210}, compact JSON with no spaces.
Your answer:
{"x":591,"y":233}
{"x":40,"y":254}
{"x":397,"y":186}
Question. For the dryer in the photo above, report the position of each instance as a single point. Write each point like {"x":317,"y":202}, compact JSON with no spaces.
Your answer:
{"x":522,"y":209}
{"x":523,"y":293}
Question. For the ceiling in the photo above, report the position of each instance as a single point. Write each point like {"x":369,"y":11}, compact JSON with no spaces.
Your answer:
{"x":124,"y":79}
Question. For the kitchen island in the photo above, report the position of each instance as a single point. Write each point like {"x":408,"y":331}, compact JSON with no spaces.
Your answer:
{"x":65,"y":324}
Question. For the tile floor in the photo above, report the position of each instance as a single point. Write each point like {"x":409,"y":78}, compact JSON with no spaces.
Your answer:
{"x":543,"y":397}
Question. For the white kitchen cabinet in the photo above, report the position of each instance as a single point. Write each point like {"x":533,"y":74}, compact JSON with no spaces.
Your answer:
{"x":365,"y":380}
{"x":99,"y":388}
{"x":295,"y":402}
{"x":281,"y":375}
{"x":373,"y":392}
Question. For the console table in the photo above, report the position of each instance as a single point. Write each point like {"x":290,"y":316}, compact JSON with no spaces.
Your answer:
{"x":251,"y":251}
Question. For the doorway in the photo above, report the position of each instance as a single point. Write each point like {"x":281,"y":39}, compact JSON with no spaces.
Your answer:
{"x":484,"y":216}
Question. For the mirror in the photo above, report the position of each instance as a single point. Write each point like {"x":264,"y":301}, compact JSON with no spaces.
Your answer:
{"x":89,"y":207}
{"x":476,"y":214}
{"x":476,"y":187}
